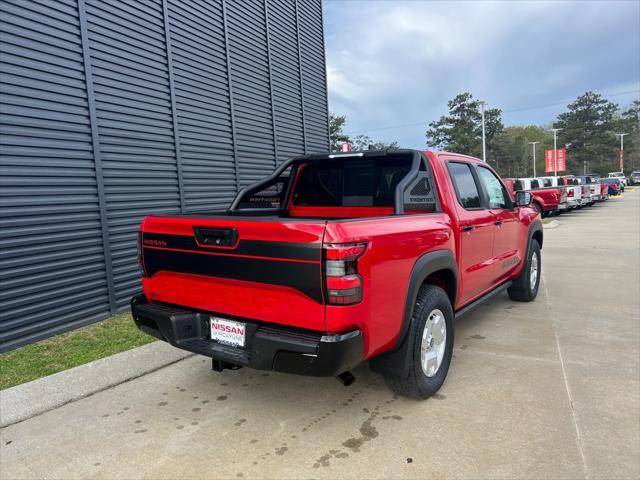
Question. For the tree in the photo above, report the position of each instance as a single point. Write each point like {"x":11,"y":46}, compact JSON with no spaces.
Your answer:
{"x":336,"y":135}
{"x":513,"y":154}
{"x":364,"y":142}
{"x":588,"y":133}
{"x":461,"y":130}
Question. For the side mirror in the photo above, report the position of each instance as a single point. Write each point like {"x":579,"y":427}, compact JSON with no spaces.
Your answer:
{"x":523,"y":198}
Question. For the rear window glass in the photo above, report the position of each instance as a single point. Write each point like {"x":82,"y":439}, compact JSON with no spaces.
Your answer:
{"x":466,"y":187}
{"x":351,"y":182}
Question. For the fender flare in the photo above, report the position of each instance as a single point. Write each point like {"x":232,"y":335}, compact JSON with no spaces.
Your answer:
{"x":536,"y":226}
{"x":393,"y":361}
{"x":427,"y":264}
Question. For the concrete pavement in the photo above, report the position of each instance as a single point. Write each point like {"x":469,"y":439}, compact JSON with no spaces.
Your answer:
{"x":548,"y":389}
{"x":70,"y":385}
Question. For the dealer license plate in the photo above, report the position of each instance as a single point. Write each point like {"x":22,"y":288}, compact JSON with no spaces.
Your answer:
{"x":228,"y":332}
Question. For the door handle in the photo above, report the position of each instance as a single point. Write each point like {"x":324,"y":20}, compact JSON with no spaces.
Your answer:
{"x":468,"y":228}
{"x":216,"y":237}
{"x":498,"y":222}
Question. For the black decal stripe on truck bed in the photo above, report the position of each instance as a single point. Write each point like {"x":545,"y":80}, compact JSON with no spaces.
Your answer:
{"x":303,"y":276}
{"x":256,"y":248}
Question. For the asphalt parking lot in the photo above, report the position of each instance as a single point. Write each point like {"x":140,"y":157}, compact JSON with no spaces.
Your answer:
{"x":549,"y":389}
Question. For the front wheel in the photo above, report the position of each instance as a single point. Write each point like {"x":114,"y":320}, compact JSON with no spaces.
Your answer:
{"x":525,"y":287}
{"x":429,"y":344}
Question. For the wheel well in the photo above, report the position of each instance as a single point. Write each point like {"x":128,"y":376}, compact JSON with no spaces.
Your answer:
{"x":446,"y":280}
{"x":537,"y":235}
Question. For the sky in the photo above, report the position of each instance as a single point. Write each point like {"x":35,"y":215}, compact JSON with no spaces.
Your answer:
{"x":393,"y":65}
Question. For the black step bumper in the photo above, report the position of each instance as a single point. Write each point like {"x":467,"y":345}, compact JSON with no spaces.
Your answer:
{"x":268,"y":347}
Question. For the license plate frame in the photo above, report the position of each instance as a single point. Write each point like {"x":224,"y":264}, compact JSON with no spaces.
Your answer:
{"x":228,"y":332}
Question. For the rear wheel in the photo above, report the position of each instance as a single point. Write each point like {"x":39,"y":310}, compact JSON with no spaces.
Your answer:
{"x":525,"y":287}
{"x":429,"y":344}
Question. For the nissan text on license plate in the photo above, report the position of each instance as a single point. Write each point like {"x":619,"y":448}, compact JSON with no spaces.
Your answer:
{"x":227,"y":332}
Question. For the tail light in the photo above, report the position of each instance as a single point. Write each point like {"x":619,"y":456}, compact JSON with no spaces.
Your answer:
{"x":344,"y":285}
{"x":570,"y":193}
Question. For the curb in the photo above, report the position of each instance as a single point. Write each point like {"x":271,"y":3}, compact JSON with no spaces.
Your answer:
{"x":34,"y":398}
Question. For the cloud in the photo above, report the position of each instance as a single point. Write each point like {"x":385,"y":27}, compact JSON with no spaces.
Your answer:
{"x":397,"y":63}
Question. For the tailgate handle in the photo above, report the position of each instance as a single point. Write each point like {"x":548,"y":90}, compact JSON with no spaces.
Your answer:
{"x":216,"y":237}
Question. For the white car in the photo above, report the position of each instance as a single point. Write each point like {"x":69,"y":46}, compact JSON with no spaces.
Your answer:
{"x":620,"y":176}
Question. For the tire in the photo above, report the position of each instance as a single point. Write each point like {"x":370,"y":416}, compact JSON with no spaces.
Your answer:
{"x":523,"y":288}
{"x":411,"y":379}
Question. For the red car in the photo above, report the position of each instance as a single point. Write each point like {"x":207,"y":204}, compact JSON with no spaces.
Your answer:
{"x":338,"y":259}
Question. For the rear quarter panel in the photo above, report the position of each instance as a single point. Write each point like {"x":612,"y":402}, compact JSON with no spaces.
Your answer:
{"x":394,"y":246}
{"x":549,"y":198}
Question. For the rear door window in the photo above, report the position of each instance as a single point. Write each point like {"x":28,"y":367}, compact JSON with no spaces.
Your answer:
{"x":465,"y":184}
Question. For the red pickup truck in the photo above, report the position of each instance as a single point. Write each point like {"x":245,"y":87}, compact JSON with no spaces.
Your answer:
{"x":338,"y":259}
{"x":546,"y":199}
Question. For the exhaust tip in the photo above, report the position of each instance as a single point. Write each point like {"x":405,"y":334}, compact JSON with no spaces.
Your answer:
{"x":346,"y":378}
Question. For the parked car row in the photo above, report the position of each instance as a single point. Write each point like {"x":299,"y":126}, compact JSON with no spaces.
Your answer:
{"x":566,"y":192}
{"x":634,"y":178}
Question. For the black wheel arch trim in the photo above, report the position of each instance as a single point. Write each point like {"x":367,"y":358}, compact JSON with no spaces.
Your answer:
{"x":536,"y":226}
{"x":426,"y":265}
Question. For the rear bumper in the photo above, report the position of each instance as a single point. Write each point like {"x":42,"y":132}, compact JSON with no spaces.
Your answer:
{"x":267,"y":347}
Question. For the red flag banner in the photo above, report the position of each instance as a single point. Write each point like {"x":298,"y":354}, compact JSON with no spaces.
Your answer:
{"x":561,"y":160}
{"x":548,"y":161}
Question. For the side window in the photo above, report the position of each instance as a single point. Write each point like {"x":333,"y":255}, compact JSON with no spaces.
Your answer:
{"x":535,"y":183}
{"x":465,"y":184}
{"x":494,"y":188}
{"x":518,"y":185}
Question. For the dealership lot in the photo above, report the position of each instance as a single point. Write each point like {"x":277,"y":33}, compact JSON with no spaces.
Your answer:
{"x":547,"y":389}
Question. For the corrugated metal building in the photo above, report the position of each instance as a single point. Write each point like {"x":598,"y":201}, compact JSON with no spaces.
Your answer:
{"x":113,"y":109}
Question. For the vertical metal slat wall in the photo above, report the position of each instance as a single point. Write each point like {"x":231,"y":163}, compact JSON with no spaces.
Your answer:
{"x":113,"y":109}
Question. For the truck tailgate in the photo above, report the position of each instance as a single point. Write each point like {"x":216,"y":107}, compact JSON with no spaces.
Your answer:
{"x":260,"y":268}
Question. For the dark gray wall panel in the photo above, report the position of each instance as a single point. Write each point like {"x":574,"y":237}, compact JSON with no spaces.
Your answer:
{"x":115,"y":109}
{"x":313,"y":75}
{"x":52,"y":268}
{"x":246,"y":29}
{"x":135,"y":125}
{"x":202,"y":102}
{"x":287,"y":101}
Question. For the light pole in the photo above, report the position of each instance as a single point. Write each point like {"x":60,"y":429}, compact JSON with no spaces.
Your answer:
{"x":484,"y":144}
{"x":534,"y":157}
{"x":555,"y":150}
{"x":621,"y":135}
